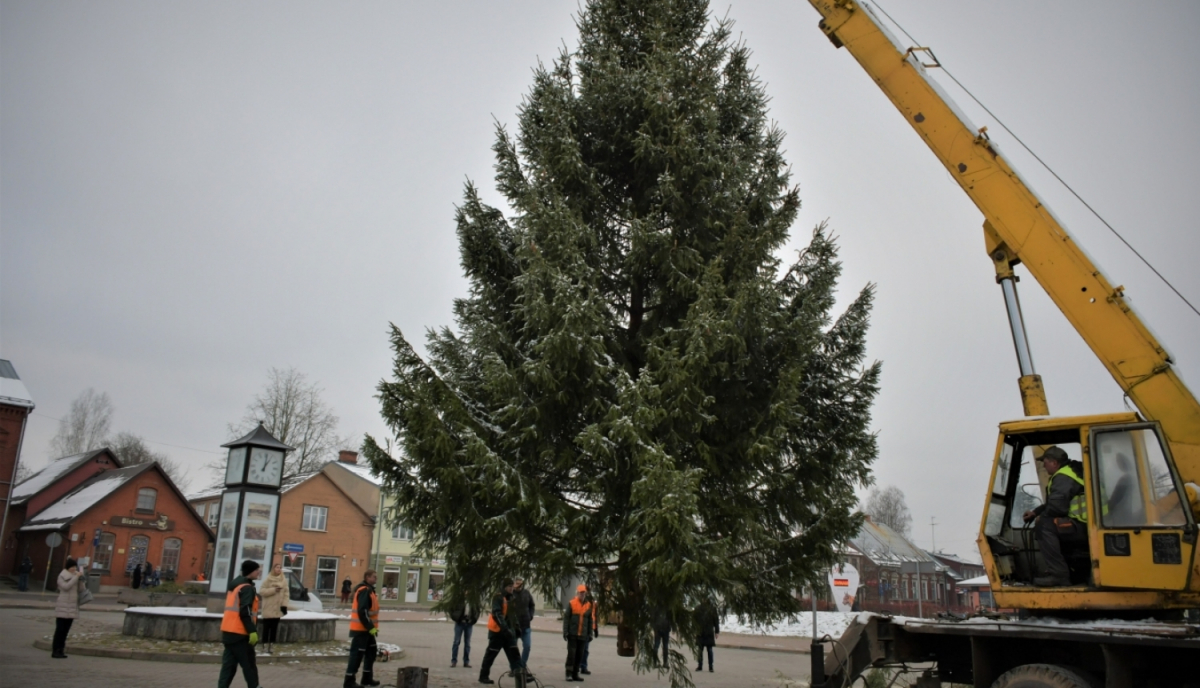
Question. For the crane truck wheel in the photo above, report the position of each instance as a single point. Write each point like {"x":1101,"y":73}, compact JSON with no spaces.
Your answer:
{"x":1043,"y":676}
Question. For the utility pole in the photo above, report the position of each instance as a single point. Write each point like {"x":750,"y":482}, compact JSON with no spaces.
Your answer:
{"x":933,"y":542}
{"x":933,"y":533}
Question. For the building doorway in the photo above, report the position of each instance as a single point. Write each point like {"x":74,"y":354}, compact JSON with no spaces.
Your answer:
{"x":410,"y":585}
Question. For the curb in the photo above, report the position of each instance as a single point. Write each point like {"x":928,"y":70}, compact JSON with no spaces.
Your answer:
{"x":180,"y":658}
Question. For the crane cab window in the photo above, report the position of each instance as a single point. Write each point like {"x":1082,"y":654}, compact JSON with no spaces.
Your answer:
{"x":1137,"y":487}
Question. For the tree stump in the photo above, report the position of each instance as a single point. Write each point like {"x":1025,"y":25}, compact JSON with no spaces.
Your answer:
{"x":413,"y":677}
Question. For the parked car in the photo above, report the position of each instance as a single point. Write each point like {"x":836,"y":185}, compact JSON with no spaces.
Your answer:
{"x":298,"y":596}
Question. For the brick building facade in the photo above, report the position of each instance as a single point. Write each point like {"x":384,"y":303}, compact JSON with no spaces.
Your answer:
{"x":15,"y":407}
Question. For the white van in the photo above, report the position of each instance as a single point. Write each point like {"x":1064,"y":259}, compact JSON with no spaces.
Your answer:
{"x":298,"y":596}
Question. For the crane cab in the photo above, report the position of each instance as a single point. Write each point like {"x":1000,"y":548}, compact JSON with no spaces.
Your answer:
{"x":1139,"y":550}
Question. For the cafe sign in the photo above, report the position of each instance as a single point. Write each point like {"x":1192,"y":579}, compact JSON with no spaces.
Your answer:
{"x":161,"y":523}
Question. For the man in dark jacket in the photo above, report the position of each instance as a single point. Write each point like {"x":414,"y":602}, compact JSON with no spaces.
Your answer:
{"x":523,"y":601}
{"x":464,"y":615}
{"x":662,"y":634}
{"x":578,"y":622}
{"x":24,"y":571}
{"x":503,"y":623}
{"x":709,"y":624}
{"x":364,"y":628}
{"x":1063,"y":518}
{"x":239,"y":628}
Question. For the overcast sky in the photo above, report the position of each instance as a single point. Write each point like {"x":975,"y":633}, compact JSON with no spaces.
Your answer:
{"x":193,"y":193}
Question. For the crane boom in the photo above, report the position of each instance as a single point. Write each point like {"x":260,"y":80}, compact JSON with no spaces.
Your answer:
{"x":1020,"y":227}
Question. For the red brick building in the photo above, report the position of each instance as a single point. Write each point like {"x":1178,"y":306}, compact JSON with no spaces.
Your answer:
{"x":15,"y":407}
{"x":119,"y":517}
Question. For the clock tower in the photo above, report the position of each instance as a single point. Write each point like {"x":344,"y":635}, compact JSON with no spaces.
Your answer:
{"x":249,"y":509}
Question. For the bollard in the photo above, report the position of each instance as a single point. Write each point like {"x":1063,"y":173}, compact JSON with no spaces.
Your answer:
{"x":413,"y":677}
{"x":818,"y":665}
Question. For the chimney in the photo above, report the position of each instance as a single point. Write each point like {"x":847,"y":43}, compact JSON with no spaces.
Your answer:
{"x":347,"y":456}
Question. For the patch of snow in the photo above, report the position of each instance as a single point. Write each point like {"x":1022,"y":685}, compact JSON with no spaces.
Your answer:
{"x":833,"y":624}
{"x":80,"y":500}
{"x":43,"y":478}
{"x":199,"y":612}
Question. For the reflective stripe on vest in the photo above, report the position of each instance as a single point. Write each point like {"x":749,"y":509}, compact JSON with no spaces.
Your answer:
{"x":583,"y":610}
{"x":231,"y":622}
{"x":372,"y":613}
{"x":492,"y":625}
{"x":1078,"y":507}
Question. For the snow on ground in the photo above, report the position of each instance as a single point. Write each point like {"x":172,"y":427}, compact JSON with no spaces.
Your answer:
{"x":832,"y":624}
{"x":202,"y":612}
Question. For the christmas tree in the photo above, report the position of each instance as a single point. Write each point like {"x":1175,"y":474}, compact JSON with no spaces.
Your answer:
{"x":638,"y":392}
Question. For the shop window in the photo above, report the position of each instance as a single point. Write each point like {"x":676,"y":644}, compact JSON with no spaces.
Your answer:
{"x":436,"y":580}
{"x":147,"y":498}
{"x":104,"y":552}
{"x":170,"y":557}
{"x":401,"y":531}
{"x":314,"y":517}
{"x":214,"y":515}
{"x":327,"y":568}
{"x":138,"y":546}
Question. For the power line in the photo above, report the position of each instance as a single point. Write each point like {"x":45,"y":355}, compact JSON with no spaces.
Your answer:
{"x":1043,"y":163}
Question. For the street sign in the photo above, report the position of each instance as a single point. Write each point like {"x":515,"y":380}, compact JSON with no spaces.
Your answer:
{"x":291,"y":557}
{"x":53,"y":540}
{"x":292,"y":547}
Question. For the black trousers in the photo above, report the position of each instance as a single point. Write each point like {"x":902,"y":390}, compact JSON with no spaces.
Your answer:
{"x":665,"y":639}
{"x":270,"y":630}
{"x":496,"y":643}
{"x":238,"y":654}
{"x":61,"y":628}
{"x":1051,"y":533}
{"x":700,"y":656}
{"x":575,"y":648}
{"x":363,"y":649}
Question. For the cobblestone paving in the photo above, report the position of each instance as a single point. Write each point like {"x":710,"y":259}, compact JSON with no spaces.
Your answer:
{"x":426,"y":644}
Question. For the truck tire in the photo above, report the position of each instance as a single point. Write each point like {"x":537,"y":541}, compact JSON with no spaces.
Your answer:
{"x":1043,"y":676}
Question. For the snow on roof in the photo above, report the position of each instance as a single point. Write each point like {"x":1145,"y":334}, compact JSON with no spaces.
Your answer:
{"x":48,"y":475}
{"x":882,"y":544}
{"x":955,"y":558}
{"x":210,"y":492}
{"x":978,"y":581}
{"x":295,"y":481}
{"x":362,"y":471}
{"x":12,"y":390}
{"x":83,"y":498}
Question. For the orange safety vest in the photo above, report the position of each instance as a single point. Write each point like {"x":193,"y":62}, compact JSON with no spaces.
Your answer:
{"x":372,"y":613}
{"x":583,"y":610}
{"x":492,"y":625}
{"x":232,"y":621}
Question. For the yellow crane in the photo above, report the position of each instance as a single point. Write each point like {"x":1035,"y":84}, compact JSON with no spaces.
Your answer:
{"x":1139,"y":469}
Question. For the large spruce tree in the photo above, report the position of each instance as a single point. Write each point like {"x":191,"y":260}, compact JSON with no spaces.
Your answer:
{"x":638,"y":392}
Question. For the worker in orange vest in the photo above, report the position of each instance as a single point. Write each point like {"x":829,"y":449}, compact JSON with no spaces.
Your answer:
{"x":239,"y":627}
{"x":578,"y":621}
{"x":364,"y":628}
{"x":503,"y":625}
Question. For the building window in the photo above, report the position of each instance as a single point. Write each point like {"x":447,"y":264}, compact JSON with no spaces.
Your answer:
{"x":104,"y":552}
{"x":326,"y":574}
{"x":214,"y":515}
{"x":200,"y":509}
{"x":138,"y":545}
{"x":170,"y":557}
{"x":147,"y":497}
{"x":314,"y":517}
{"x":296,"y":565}
{"x":401,"y":531}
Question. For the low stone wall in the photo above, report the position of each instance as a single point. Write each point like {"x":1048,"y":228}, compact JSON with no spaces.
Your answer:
{"x":197,"y":627}
{"x":143,"y":598}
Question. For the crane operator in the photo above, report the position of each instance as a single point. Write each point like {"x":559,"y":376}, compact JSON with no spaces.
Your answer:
{"x":1062,"y":519}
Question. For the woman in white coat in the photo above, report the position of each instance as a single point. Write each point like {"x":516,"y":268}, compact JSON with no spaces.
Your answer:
{"x":67,"y":609}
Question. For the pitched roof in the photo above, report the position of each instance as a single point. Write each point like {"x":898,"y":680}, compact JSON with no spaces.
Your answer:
{"x":84,"y":497}
{"x":364,"y":472}
{"x":51,"y":473}
{"x":12,"y":390}
{"x":882,"y":545}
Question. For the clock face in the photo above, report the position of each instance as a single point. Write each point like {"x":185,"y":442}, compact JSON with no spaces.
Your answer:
{"x":233,"y":469}
{"x":266,"y":467}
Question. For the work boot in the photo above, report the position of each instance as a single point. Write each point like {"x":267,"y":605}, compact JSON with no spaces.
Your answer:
{"x":575,"y":677}
{"x":568,"y":678}
{"x":485,"y":679}
{"x":1051,"y":582}
{"x":369,"y":680}
{"x":584,"y":671}
{"x":349,"y":683}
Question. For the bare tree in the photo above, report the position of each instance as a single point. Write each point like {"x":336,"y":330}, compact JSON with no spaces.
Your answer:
{"x":86,"y":425}
{"x":292,"y":410}
{"x":23,"y":472}
{"x":887,"y":506}
{"x":131,"y":450}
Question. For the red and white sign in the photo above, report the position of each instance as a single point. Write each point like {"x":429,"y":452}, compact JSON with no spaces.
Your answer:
{"x":843,"y":582}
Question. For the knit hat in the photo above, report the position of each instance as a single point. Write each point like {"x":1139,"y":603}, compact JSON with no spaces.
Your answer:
{"x":1055,"y":454}
{"x":249,"y":567}
{"x":581,"y":588}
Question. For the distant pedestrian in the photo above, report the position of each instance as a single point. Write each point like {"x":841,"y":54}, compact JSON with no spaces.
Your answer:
{"x":464,"y":617}
{"x":525,"y":610}
{"x":662,"y":634}
{"x":135,"y":579}
{"x":577,"y":630}
{"x":346,"y":587}
{"x":24,"y":571}
{"x":148,"y":575}
{"x":66,"y":610}
{"x":156,"y":580}
{"x":239,"y":628}
{"x":587,"y":645}
{"x":274,"y":594}
{"x":708,"y":621}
